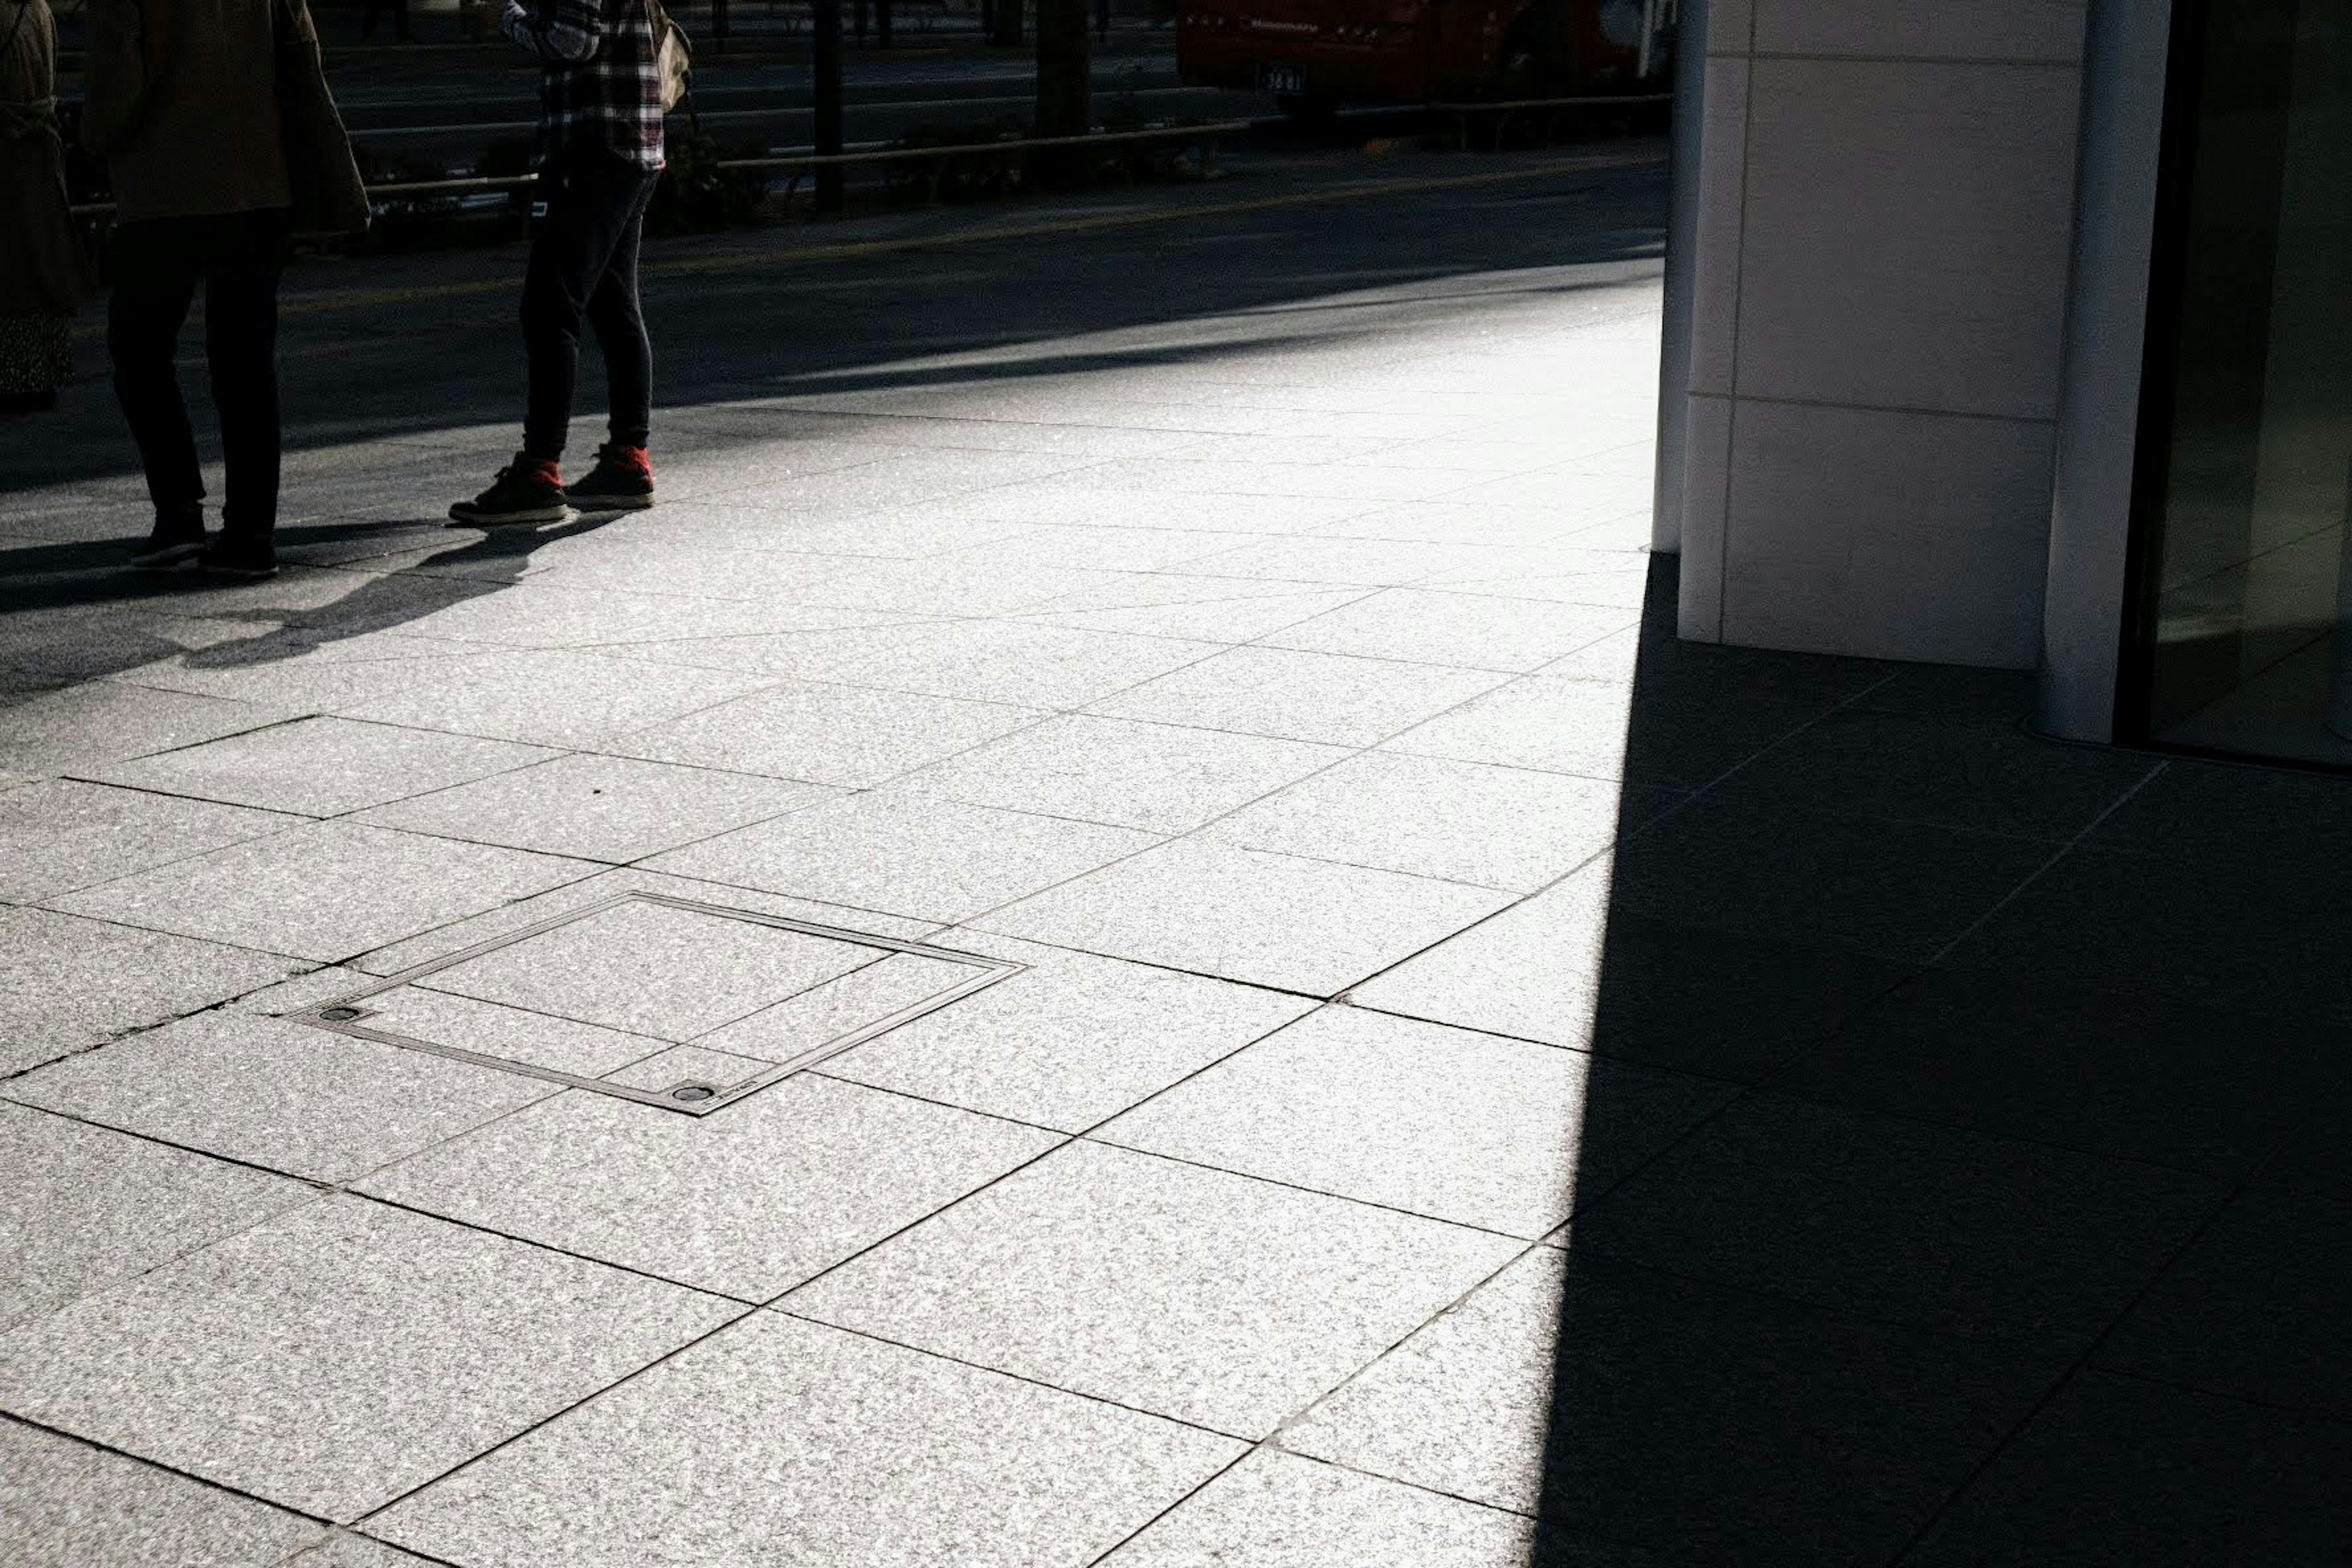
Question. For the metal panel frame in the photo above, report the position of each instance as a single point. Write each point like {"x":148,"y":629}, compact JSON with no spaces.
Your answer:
{"x":347,"y":1014}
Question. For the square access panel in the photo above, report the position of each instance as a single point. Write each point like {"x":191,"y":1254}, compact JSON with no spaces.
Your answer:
{"x":663,"y":1001}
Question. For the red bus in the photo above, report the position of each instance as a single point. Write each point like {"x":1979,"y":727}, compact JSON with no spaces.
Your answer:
{"x":1315,"y":54}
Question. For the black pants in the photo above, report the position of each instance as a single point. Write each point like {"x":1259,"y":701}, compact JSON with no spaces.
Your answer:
{"x":583,"y":267}
{"x":157,"y":265}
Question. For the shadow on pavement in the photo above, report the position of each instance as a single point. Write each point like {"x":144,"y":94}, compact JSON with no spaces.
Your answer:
{"x":2019,"y":1232}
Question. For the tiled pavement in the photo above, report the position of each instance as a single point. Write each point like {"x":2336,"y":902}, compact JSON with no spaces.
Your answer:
{"x":1492,"y":1084}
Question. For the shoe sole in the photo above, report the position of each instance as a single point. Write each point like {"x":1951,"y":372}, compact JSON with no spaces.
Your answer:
{"x":467,"y":517}
{"x":612,"y":503}
{"x":164,"y":559}
{"x":242,"y":573}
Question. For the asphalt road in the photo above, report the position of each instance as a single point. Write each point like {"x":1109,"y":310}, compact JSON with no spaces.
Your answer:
{"x":453,"y":110}
{"x":405,"y":347}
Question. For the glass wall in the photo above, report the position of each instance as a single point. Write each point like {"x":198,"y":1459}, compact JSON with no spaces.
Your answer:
{"x":2244,"y":580}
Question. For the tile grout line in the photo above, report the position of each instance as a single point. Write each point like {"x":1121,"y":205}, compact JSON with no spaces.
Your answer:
{"x":2062,"y":851}
{"x":2084,"y":1361}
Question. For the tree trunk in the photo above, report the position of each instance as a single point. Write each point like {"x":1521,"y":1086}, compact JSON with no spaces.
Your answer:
{"x":825,"y":67}
{"x":1064,"y":101}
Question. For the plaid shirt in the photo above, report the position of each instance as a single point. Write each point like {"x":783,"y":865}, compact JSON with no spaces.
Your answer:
{"x":601,"y":89}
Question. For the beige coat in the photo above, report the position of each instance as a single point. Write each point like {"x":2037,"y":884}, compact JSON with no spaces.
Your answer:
{"x":43,"y":271}
{"x":182,"y":103}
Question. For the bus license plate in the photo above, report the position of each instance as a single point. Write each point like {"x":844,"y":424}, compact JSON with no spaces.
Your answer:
{"x":1281,"y":80}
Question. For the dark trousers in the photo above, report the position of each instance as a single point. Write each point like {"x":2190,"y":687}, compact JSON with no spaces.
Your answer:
{"x":157,"y":266}
{"x":583,"y":267}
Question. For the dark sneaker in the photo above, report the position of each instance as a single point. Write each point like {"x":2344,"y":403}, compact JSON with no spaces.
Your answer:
{"x":175,"y":539}
{"x":234,"y":555}
{"x":621,"y":480}
{"x":526,"y":490}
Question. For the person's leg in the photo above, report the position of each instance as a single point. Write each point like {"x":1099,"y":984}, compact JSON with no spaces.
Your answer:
{"x":241,"y":350}
{"x":623,"y":479}
{"x":571,"y":243}
{"x":617,"y":314}
{"x":568,"y":248}
{"x":155,"y":281}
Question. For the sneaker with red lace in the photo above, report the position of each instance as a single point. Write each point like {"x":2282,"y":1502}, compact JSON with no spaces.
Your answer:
{"x":621,"y":480}
{"x":529,"y":490}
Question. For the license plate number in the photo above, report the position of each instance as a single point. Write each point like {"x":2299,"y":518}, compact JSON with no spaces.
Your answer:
{"x":1284,"y":79}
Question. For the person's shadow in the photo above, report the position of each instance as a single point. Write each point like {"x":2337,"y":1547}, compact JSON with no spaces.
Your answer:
{"x":121,"y":632}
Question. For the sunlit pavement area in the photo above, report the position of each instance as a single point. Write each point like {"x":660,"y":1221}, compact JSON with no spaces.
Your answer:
{"x":1484,"y":1083}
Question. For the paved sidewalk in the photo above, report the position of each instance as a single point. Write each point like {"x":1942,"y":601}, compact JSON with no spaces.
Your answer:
{"x":1485,"y":1083}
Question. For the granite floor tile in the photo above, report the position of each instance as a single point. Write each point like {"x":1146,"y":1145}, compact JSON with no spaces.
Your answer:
{"x":682,"y":1065}
{"x":84,"y":1207}
{"x":1001,"y":661}
{"x":1068,"y":1042}
{"x":1949,"y":1231}
{"x":277,"y":1094}
{"x":325,"y":891}
{"x":1121,"y":549}
{"x":1597,"y":728}
{"x":64,"y":1504}
{"x":1436,"y":1122}
{"x":291,"y":671}
{"x":1997,"y":696}
{"x":558,"y":618}
{"x":89,"y":726}
{"x":323,"y":766}
{"x":616,"y":809}
{"x":345,"y":1550}
{"x":2232,"y":814}
{"x":1319,"y":697}
{"x":2265,"y":936}
{"x":1553,"y":572}
{"x":1310,"y":926}
{"x":653,"y":970}
{"x":1162,"y":778}
{"x":1224,"y":612}
{"x":1461,"y":822}
{"x":2108,"y":1070}
{"x":2254,"y":1310}
{"x":557,"y":698}
{"x":70,"y":982}
{"x":782,"y":1442}
{"x":1275,"y":1510}
{"x":334,"y":1358}
{"x":787,"y":1031}
{"x":904,"y":854}
{"x":1447,"y":522}
{"x":574,"y":898}
{"x":1986,"y":778}
{"x":2117,"y":1471}
{"x":510,"y":1034}
{"x":1326,"y":558}
{"x":1466,"y":630}
{"x":747,"y":1202}
{"x":1206,"y":1297}
{"x":1102,"y":504}
{"x":1710,"y":1425}
{"x":62,"y":834}
{"x":1899,"y":891}
{"x":828,"y":734}
{"x":1566,"y":969}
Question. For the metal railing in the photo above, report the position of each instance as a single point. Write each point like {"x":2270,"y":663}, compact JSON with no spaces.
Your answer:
{"x":1011,"y":147}
{"x":1207,"y":136}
